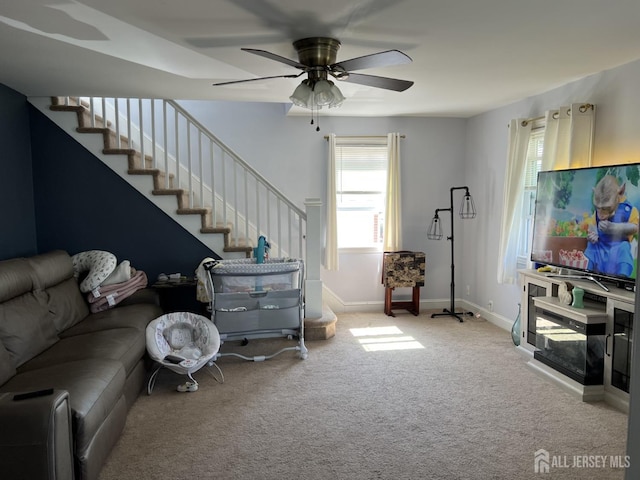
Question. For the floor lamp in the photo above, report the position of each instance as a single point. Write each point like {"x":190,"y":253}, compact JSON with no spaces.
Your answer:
{"x":467,"y":211}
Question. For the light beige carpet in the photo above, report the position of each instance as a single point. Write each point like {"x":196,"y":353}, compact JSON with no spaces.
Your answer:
{"x":461,"y":406}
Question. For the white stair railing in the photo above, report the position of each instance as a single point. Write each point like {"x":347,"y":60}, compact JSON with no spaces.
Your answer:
{"x":210,"y":173}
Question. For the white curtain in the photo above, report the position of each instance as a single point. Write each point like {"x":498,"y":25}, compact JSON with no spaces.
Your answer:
{"x":331,"y":236}
{"x":568,"y":143}
{"x":519,"y":133}
{"x":393,"y":209}
{"x":568,"y":137}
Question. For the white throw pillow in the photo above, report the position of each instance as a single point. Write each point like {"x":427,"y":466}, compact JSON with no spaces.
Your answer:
{"x":121,"y":274}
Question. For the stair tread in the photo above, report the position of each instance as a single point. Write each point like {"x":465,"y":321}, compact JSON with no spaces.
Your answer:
{"x":144,"y":171}
{"x":93,"y":130}
{"x":238,"y":249}
{"x":119,"y":151}
{"x":169,"y":191}
{"x":215,"y":230}
{"x":188,"y":211}
{"x":67,"y":108}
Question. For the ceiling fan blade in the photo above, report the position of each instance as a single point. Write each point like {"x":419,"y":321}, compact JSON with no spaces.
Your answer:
{"x":273,"y":56}
{"x":375,"y":81}
{"x":256,"y":79}
{"x":380,"y":59}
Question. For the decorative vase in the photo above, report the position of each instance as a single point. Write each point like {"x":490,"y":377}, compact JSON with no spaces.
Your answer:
{"x":515,"y":329}
{"x":578,"y":294}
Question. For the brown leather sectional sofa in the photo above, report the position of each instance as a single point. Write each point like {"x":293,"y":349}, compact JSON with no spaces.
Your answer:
{"x":87,"y":369}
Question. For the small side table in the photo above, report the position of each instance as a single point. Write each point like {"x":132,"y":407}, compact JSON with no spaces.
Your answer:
{"x":179,"y":296}
{"x":403,"y":269}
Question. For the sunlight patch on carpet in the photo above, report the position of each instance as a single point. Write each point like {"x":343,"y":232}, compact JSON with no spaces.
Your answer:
{"x":376,"y":339}
{"x":372,"y":331}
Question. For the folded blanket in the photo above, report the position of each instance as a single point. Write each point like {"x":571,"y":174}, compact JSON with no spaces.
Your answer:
{"x":108,"y":296}
{"x":203,"y":287}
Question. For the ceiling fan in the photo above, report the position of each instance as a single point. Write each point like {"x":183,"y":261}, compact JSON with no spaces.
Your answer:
{"x":317,"y":58}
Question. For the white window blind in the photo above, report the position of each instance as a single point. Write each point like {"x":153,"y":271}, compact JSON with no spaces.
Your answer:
{"x":361,"y":172}
{"x":534,"y":158}
{"x":532,"y":167}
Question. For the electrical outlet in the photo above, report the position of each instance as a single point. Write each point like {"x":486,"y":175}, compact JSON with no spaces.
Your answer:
{"x":490,"y":305}
{"x":468,"y":290}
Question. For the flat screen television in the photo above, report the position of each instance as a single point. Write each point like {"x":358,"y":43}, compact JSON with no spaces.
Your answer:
{"x":586,"y":221}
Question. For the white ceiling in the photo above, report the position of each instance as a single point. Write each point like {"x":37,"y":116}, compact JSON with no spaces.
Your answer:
{"x":469,"y":56}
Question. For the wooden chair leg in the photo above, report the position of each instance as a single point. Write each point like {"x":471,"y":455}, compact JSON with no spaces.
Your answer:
{"x":388,"y":301}
{"x":416,"y":300}
{"x":413,"y":306}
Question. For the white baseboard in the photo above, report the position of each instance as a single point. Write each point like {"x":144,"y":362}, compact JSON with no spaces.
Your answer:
{"x":338,"y":306}
{"x":616,"y":401}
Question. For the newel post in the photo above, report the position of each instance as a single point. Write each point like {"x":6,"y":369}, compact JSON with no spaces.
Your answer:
{"x":313,"y":284}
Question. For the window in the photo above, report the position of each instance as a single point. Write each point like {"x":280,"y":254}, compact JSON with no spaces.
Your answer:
{"x":361,"y":177}
{"x":533,"y":166}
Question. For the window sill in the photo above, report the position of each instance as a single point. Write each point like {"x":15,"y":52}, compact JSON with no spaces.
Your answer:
{"x":360,"y":250}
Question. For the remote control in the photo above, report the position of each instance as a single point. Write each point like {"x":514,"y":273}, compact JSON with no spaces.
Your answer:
{"x":173,"y":359}
{"x":37,"y":393}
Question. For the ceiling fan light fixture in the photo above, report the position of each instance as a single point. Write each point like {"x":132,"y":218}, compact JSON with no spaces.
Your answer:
{"x":338,"y":98}
{"x":323,"y":93}
{"x":303,"y":95}
{"x":317,"y":94}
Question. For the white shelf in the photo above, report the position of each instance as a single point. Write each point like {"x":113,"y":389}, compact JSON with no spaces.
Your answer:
{"x":592,"y":313}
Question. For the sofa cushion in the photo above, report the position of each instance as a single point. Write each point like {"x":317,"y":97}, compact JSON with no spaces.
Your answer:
{"x":53,"y":273}
{"x":26,"y":327}
{"x":66,"y":304}
{"x":50,"y":268}
{"x":125,"y":345}
{"x":7,"y":368}
{"x":16,"y":278}
{"x":135,"y":316}
{"x":94,"y":386}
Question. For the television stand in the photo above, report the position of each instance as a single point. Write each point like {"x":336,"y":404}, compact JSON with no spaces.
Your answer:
{"x":580,"y":277}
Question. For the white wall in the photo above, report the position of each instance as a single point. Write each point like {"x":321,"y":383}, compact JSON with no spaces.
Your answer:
{"x":617,"y":140}
{"x":438,"y":153}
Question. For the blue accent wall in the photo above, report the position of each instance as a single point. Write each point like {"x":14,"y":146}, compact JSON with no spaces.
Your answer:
{"x":81,"y":204}
{"x":54,"y":194}
{"x":17,"y":216}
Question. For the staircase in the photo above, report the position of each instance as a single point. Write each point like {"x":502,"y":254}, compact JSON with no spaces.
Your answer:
{"x":172,"y":159}
{"x":195,"y":178}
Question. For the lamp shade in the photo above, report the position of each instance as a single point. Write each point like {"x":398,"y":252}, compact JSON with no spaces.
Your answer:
{"x":435,"y":229}
{"x":338,"y":98}
{"x":303,"y":95}
{"x":322,"y":93}
{"x":468,"y":207}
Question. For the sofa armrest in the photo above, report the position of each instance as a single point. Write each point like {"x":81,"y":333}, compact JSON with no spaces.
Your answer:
{"x":36,"y":439}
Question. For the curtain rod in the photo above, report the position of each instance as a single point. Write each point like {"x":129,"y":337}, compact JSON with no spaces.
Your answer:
{"x":326,"y":137}
{"x":583,"y":108}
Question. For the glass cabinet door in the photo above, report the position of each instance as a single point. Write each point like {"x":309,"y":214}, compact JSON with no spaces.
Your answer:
{"x":533,"y":290}
{"x":621,"y":348}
